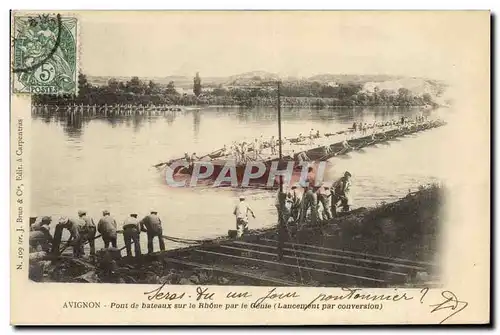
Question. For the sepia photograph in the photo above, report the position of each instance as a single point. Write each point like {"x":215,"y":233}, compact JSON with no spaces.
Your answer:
{"x":245,"y":148}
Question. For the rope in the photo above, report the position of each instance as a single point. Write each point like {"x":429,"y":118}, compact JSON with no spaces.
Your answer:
{"x":183,"y":240}
{"x":169,"y":238}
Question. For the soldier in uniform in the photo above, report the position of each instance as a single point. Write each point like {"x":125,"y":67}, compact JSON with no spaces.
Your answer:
{"x":40,"y":235}
{"x":75,"y":239}
{"x":340,"y":193}
{"x":151,"y":224}
{"x":310,"y":198}
{"x":322,"y":194}
{"x":107,"y":228}
{"x":88,"y":231}
{"x":131,"y":234}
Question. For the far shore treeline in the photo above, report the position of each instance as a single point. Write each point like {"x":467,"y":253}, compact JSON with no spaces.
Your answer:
{"x":304,"y":94}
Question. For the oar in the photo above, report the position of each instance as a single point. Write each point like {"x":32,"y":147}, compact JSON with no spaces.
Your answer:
{"x":163,"y":163}
{"x":212,"y":153}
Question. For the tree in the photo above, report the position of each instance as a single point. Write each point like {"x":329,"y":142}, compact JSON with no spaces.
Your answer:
{"x":113,"y":85}
{"x":135,"y":86}
{"x":152,"y":88}
{"x":384,"y":97}
{"x":427,"y":98}
{"x":197,"y":84}
{"x":404,"y":97}
{"x":83,"y":85}
{"x":171,"y":89}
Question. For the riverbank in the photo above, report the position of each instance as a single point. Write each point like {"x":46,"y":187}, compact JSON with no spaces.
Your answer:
{"x":180,"y":107}
{"x":392,"y":244}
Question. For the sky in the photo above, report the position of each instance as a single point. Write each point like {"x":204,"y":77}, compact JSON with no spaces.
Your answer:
{"x":159,"y":44}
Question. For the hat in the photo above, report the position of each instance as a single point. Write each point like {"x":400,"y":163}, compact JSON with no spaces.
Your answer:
{"x":153,"y":211}
{"x":105,"y":212}
{"x":63,"y":220}
{"x":81,"y":212}
{"x":134,"y":215}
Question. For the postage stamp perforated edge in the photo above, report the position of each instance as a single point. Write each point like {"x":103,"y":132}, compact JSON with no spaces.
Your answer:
{"x":63,"y":82}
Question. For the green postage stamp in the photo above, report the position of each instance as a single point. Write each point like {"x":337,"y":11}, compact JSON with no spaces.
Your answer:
{"x":44,"y":54}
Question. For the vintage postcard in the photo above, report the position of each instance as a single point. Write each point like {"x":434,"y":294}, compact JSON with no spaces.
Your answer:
{"x":266,"y":167}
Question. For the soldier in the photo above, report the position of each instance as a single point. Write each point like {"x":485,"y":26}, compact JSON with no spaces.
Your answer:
{"x":284,"y":212}
{"x":322,"y":194}
{"x":151,"y":224}
{"x":309,"y":199}
{"x":296,"y":198}
{"x":340,"y":193}
{"x":40,"y":235}
{"x":273,"y":146}
{"x":88,"y":230}
{"x":241,"y":212}
{"x":131,"y":234}
{"x":75,"y":239}
{"x":107,"y":228}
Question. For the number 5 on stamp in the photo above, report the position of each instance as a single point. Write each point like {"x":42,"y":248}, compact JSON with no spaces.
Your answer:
{"x":44,"y":55}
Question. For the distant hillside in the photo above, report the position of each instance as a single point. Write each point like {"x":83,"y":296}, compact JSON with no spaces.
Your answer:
{"x":351,"y":78}
{"x":415,"y":85}
{"x":369,"y":82}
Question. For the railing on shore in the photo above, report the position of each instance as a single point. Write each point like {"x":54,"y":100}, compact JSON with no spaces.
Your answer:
{"x":108,"y":110}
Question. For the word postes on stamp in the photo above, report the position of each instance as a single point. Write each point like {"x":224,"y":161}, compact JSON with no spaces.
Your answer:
{"x":44,"y":59}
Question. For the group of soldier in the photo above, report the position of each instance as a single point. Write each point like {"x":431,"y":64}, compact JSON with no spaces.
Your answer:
{"x":294,"y":204}
{"x":83,"y":230}
{"x":248,"y":151}
{"x":404,"y":121}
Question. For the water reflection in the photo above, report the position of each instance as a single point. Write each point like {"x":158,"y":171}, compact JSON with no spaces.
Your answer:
{"x":76,"y":122}
{"x":196,"y":123}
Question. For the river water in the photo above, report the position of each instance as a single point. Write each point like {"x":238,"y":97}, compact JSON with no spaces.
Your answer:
{"x":96,"y":164}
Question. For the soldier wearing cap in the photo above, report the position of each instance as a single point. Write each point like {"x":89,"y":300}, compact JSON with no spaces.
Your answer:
{"x":340,"y":193}
{"x":241,"y":212}
{"x":40,"y":235}
{"x":87,"y":230}
{"x":323,"y":194}
{"x":310,"y":198}
{"x":107,"y":228}
{"x":151,"y":224}
{"x":296,"y":201}
{"x":283,"y":204}
{"x":131,"y":234}
{"x":73,"y":226}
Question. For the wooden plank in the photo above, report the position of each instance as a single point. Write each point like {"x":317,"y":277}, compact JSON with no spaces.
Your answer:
{"x":290,"y":265}
{"x":233,"y":272}
{"x":362,"y":260}
{"x":356,"y":253}
{"x":315,"y":260}
{"x":325,"y":255}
